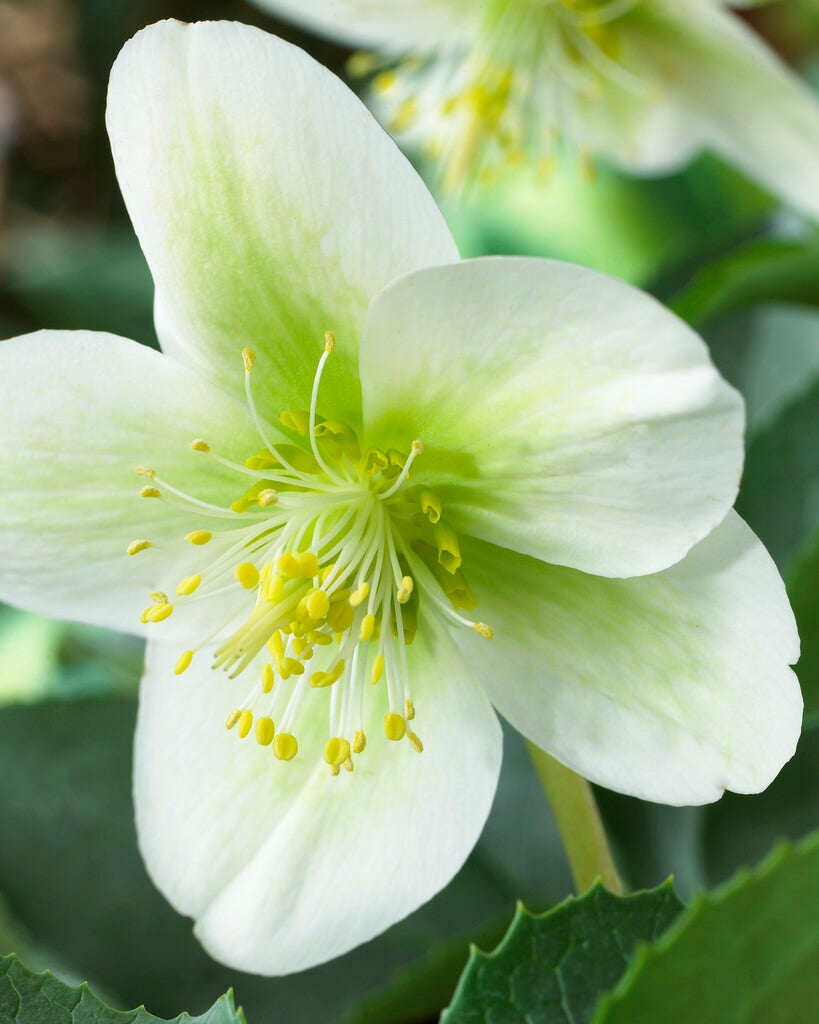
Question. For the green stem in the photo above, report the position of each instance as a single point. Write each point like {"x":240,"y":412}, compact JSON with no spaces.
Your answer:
{"x":579,"y":823}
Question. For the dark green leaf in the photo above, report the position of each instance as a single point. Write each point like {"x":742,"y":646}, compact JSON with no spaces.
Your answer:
{"x":761,"y":271}
{"x":27,"y":998}
{"x":746,"y":954}
{"x":552,"y":968}
{"x":803,"y":590}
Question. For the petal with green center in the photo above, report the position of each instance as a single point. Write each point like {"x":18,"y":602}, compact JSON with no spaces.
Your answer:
{"x":563,"y":414}
{"x":79,"y":412}
{"x":672,"y":687}
{"x":282,"y":865}
{"x":269,"y":204}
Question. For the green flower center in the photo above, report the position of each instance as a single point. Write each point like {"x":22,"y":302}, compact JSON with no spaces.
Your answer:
{"x":335,"y":548}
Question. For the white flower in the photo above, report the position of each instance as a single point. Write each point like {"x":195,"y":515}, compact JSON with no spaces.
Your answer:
{"x":644,"y":84}
{"x":575,"y":443}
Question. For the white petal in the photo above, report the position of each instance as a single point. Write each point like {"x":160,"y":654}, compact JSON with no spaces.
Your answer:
{"x":671,"y":687}
{"x":79,"y":412}
{"x":282,"y":865}
{"x":269,"y":204}
{"x":395,"y":24}
{"x":563,"y":413}
{"x":716,"y":86}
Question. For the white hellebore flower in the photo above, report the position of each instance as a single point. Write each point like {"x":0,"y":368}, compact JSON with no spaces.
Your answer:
{"x":644,"y":84}
{"x":359,"y":457}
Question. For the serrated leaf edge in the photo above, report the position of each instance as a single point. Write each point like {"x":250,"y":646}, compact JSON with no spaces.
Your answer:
{"x":645,"y":952}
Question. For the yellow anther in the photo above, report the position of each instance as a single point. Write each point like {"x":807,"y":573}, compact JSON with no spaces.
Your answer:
{"x":384,"y":81}
{"x":378,"y":668}
{"x":322,"y":679}
{"x":484,"y":630}
{"x":297,"y":420}
{"x":187,"y":586}
{"x":232,"y":719}
{"x":182,"y":662}
{"x":336,"y":751}
{"x":150,"y":492}
{"x":329,"y":342}
{"x":395,"y":726}
{"x":275,"y":644}
{"x":288,"y":565}
{"x":245,"y":723}
{"x":285,"y":746}
{"x":348,"y":765}
{"x":318,"y":604}
{"x":315,"y":636}
{"x":415,"y":742}
{"x":159,"y":612}
{"x":138,"y":545}
{"x":293,"y":667}
{"x":409,"y":710}
{"x":268,"y":678}
{"x":268,"y":497}
{"x":360,"y":594}
{"x":308,"y":564}
{"x":199,"y":537}
{"x":341,"y":616}
{"x":248,"y":358}
{"x":272,"y":587}
{"x":300,"y":645}
{"x":265,"y":730}
{"x":200,"y":446}
{"x":359,"y":742}
{"x":159,"y":598}
{"x":145,"y":471}
{"x":335,"y":770}
{"x":449,"y":552}
{"x":416,"y":447}
{"x":367,"y":627}
{"x":247,"y":575}
{"x":431,"y":506}
{"x":405,"y":589}
{"x":327,"y":572}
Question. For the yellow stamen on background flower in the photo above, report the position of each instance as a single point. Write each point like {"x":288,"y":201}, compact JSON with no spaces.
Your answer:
{"x":245,"y":723}
{"x":285,"y":746}
{"x":188,"y":585}
{"x":336,"y":751}
{"x":138,"y":545}
{"x":199,"y":537}
{"x":415,"y":742}
{"x":265,"y":731}
{"x":248,"y":358}
{"x":395,"y":726}
{"x":200,"y":446}
{"x":183,"y":662}
{"x":405,"y":588}
{"x":150,"y":492}
{"x":145,"y":471}
{"x":247,"y":575}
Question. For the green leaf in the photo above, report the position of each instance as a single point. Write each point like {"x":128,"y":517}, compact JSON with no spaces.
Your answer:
{"x":804,"y":595}
{"x":779,"y":497}
{"x":552,"y":968}
{"x":28,"y":998}
{"x":761,"y":271}
{"x":746,"y":954}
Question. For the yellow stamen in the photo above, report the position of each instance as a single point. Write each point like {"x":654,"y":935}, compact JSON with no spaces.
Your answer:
{"x":275,"y":644}
{"x":248,"y":358}
{"x":138,"y":545}
{"x":265,"y":730}
{"x":367,"y":627}
{"x":245,"y":723}
{"x":307,"y":564}
{"x":329,"y":342}
{"x":159,"y":598}
{"x":268,"y":497}
{"x":182,"y":663}
{"x":232,"y":719}
{"x":415,"y":742}
{"x":336,"y":751}
{"x":200,"y":446}
{"x":159,"y":612}
{"x":188,"y":585}
{"x":285,"y":746}
{"x":409,"y":710}
{"x":272,"y":588}
{"x":378,"y":668}
{"x":247,"y":575}
{"x":359,"y":742}
{"x":348,"y":765}
{"x":150,"y":492}
{"x":405,"y":589}
{"x":318,"y":604}
{"x":484,"y":630}
{"x":199,"y":537}
{"x":395,"y":727}
{"x":360,"y":594}
{"x":268,"y":678}
{"x":145,"y":471}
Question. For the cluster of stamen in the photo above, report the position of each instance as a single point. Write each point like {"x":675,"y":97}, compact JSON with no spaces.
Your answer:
{"x":333,"y":548}
{"x":514,"y":92}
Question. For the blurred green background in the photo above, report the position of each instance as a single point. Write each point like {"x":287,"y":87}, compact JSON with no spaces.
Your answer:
{"x":73,"y":893}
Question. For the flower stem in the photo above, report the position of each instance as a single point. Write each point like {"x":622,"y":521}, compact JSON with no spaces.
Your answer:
{"x":579,"y":823}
